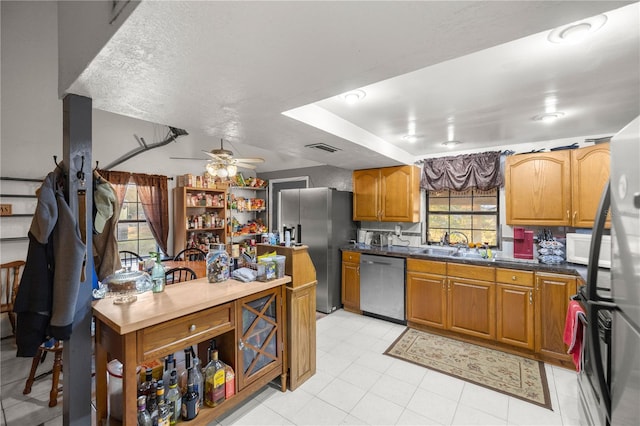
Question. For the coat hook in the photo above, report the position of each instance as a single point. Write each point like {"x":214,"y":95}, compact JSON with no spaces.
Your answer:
{"x":80,"y":173}
{"x":96,"y":166}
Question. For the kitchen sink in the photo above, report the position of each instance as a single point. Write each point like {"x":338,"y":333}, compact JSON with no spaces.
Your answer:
{"x":467,"y":255}
{"x":436,"y":252}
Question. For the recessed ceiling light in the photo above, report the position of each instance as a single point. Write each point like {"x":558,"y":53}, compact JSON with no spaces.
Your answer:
{"x":577,"y":31}
{"x":410,"y":138}
{"x":353,"y":96}
{"x":451,"y":144}
{"x":548,"y":117}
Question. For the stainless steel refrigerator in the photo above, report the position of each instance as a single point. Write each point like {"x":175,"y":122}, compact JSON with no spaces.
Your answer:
{"x":322,"y":220}
{"x":612,"y":393}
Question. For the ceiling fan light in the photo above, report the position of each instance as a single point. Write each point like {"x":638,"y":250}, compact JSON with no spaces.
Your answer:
{"x":232,"y":170}
{"x":222,"y":172}
{"x":211,"y":169}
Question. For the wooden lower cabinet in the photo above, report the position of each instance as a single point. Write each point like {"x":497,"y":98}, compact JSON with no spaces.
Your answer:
{"x":351,"y":281}
{"x":301,"y":335}
{"x":552,"y":293}
{"x":472,"y":307}
{"x":514,"y":308}
{"x":426,"y":293}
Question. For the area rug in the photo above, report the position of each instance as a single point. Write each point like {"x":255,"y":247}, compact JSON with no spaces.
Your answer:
{"x":510,"y":374}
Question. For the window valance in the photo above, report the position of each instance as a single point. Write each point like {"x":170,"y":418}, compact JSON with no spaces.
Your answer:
{"x":462,"y":172}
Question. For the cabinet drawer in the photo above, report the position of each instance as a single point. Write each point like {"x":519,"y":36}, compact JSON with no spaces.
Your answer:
{"x":430,"y":266}
{"x":175,"y":335}
{"x":351,"y":256}
{"x":514,"y":276}
{"x":482,"y":273}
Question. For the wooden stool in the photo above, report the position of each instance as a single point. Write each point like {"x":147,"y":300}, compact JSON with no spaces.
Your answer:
{"x":57,"y":368}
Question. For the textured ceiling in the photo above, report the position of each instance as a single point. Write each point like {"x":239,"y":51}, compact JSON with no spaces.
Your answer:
{"x":230,"y":69}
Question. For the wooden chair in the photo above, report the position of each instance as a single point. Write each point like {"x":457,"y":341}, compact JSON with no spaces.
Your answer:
{"x":179,"y":274}
{"x":55,"y":347}
{"x":192,"y":253}
{"x":10,"y":279}
{"x":129,"y":258}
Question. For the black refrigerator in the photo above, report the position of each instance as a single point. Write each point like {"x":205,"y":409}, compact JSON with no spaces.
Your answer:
{"x":321,"y":219}
{"x":609,"y":385}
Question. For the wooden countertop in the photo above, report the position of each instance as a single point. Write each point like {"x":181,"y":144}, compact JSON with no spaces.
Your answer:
{"x":177,"y":300}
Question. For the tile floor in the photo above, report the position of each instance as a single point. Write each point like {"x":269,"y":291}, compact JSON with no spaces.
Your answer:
{"x":354,"y":384}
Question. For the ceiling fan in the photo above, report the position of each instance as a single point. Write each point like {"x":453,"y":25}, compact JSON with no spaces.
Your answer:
{"x":223,"y":164}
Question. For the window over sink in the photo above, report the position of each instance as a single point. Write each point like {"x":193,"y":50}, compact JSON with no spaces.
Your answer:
{"x":472,"y":212}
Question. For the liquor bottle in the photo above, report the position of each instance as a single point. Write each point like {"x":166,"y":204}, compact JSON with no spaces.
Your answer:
{"x":144,"y":418}
{"x":190,"y":403}
{"x":229,"y":382}
{"x":164,"y":412}
{"x":214,"y":381}
{"x":198,"y":377}
{"x":143,"y":389}
{"x":169,"y":366}
{"x":174,"y":399}
{"x":157,"y":274}
{"x":152,"y":402}
{"x":184,"y":374}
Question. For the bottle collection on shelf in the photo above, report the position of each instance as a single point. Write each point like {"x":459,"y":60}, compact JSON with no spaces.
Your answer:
{"x":205,"y":221}
{"x":179,"y":395}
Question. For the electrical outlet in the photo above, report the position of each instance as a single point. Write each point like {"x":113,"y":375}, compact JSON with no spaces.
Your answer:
{"x":398,"y":230}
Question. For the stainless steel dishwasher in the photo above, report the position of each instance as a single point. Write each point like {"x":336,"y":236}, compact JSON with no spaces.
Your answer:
{"x":382,"y":289}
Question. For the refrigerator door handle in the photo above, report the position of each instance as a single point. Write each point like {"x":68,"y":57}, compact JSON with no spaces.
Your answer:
{"x":596,"y":351}
{"x":596,"y":240}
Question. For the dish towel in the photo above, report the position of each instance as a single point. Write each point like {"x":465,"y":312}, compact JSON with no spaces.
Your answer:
{"x":573,"y":332}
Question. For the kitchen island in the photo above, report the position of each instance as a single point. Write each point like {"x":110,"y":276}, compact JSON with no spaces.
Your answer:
{"x":247,"y":320}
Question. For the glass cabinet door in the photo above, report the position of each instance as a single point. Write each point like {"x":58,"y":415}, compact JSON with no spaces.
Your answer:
{"x":260,"y":340}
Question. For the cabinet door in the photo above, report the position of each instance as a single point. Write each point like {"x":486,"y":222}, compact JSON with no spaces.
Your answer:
{"x":301,"y":333}
{"x":427,"y":299}
{"x":260,"y":335}
{"x":351,"y":286}
{"x":471,"y":307}
{"x":551,"y":302}
{"x":400,"y":194}
{"x":515,"y":315}
{"x":590,"y":173}
{"x":366,"y":195}
{"x":538,"y":189}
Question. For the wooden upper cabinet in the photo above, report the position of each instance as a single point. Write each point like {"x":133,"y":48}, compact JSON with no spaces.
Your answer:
{"x":366,"y":194}
{"x":589,"y":174}
{"x":538,"y":188}
{"x":560,"y":188}
{"x":390,"y":194}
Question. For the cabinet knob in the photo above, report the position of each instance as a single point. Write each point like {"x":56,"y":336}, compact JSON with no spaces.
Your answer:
{"x":513,"y":278}
{"x":567,"y":214}
{"x":574,"y":216}
{"x":530,"y":297}
{"x":192,"y":328}
{"x":241,"y":345}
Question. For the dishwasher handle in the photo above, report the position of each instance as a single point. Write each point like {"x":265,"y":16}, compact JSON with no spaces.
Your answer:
{"x":370,"y":262}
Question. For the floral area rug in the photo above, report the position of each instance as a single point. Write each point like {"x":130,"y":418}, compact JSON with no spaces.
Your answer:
{"x":510,"y":374}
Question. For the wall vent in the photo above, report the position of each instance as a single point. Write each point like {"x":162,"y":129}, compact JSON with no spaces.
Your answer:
{"x":323,"y":147}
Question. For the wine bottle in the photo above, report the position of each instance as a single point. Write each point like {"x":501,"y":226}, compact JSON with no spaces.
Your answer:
{"x":164,"y":412}
{"x":169,"y":366}
{"x":190,"y":403}
{"x":152,"y":402}
{"x":214,"y":381}
{"x":144,"y":419}
{"x":143,"y":389}
{"x":174,"y":399}
{"x":198,"y":377}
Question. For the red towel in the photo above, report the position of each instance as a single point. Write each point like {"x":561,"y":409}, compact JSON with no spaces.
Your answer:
{"x":573,"y":332}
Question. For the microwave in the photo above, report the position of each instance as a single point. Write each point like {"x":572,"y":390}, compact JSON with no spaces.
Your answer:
{"x":579,"y":245}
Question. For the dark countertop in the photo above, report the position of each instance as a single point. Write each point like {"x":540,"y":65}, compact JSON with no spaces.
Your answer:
{"x":418,"y":253}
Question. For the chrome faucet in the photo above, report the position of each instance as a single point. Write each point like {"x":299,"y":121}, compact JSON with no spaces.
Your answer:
{"x":466,"y":239}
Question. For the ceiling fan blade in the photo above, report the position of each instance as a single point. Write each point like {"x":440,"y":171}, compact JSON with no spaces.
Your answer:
{"x":189,"y":158}
{"x":250,"y":160}
{"x":212,"y":155}
{"x":245,"y":166}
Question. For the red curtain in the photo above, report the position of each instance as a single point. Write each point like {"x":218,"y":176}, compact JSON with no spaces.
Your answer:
{"x":154,"y":197}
